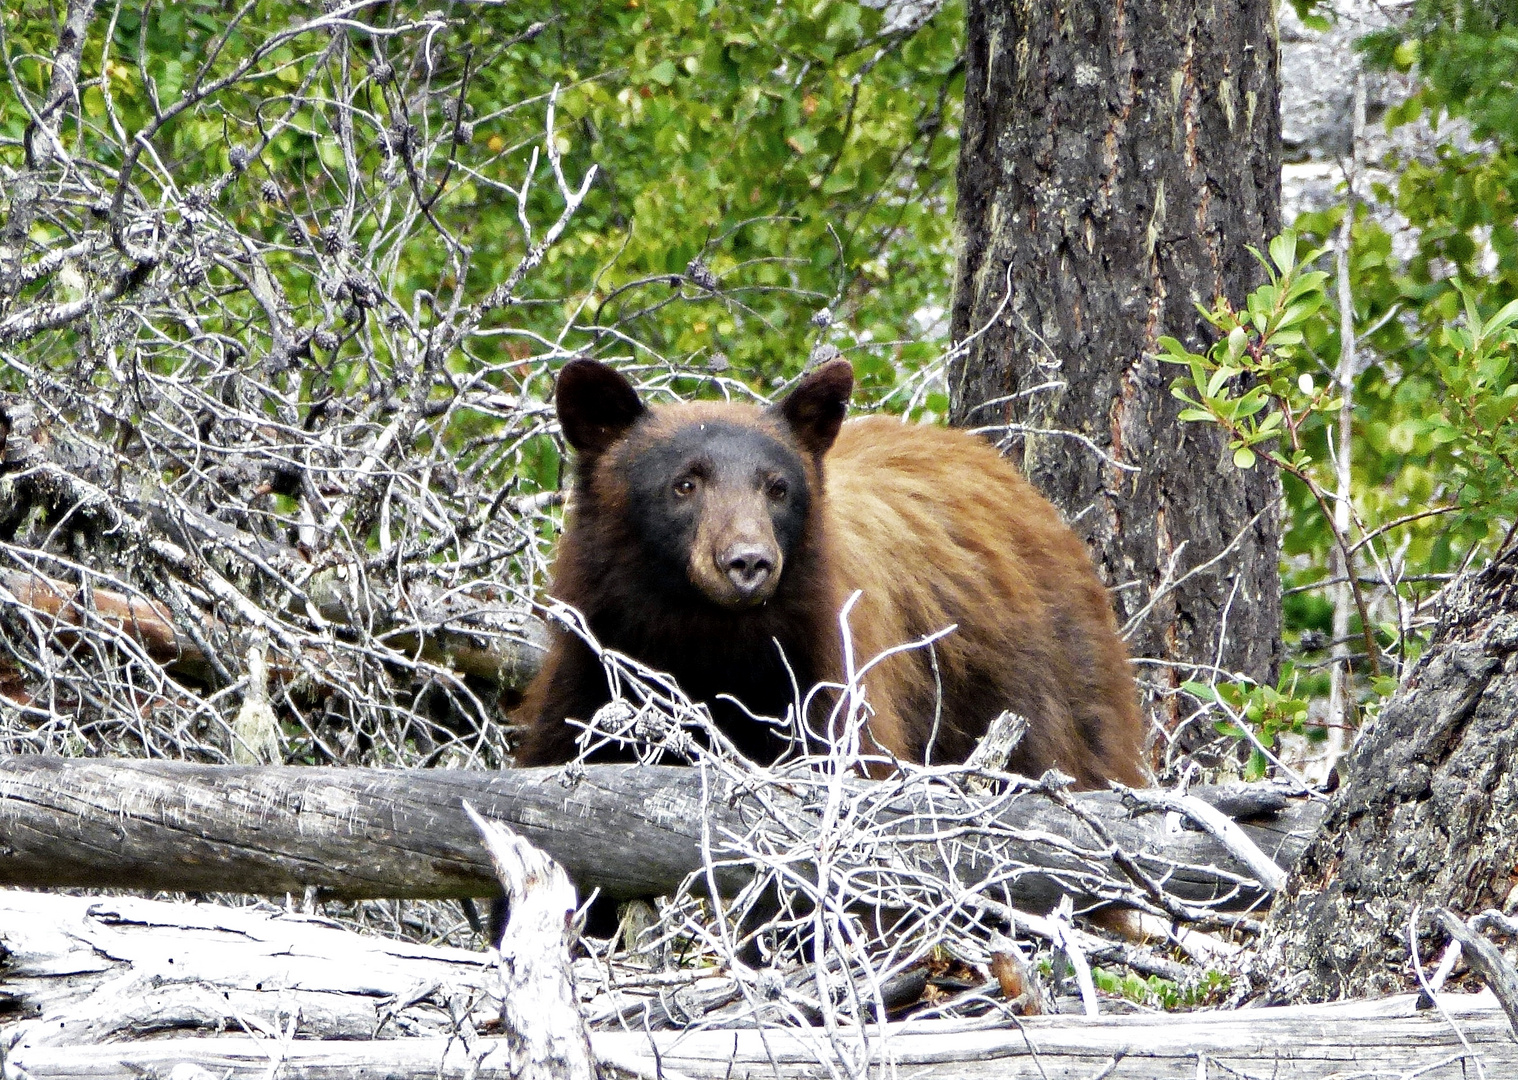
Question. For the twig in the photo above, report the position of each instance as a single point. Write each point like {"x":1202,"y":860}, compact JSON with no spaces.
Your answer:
{"x":1220,"y":826}
{"x":1486,"y":960}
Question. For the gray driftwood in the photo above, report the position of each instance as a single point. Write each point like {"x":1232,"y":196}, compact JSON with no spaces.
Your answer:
{"x":1385,"y":1038}
{"x":89,"y":979}
{"x":631,"y":830}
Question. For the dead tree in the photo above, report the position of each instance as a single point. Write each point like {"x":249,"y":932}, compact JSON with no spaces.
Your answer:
{"x":1424,"y":817}
{"x":261,"y":487}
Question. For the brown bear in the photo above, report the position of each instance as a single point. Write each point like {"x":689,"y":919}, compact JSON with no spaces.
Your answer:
{"x":718,"y":542}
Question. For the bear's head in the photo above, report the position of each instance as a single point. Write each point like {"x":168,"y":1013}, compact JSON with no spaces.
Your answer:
{"x":717,"y":497}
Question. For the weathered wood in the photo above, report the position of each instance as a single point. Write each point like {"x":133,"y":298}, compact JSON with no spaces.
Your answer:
{"x":1425,"y":815}
{"x":82,"y":974}
{"x":630,"y":830}
{"x":92,"y":969}
{"x":77,"y":970}
{"x":1281,"y":1043}
{"x":540,"y":1014}
{"x":350,"y":833}
{"x":1486,"y":961}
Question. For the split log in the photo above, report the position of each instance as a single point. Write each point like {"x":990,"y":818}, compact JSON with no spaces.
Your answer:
{"x":1380,"y":1038}
{"x":79,"y":970}
{"x":540,"y":1013}
{"x":629,"y":830}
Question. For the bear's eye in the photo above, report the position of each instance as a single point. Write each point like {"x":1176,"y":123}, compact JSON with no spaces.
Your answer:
{"x":778,"y":490}
{"x":684,"y":488}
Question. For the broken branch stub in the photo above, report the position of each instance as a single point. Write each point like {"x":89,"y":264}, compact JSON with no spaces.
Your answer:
{"x":544,"y":1030}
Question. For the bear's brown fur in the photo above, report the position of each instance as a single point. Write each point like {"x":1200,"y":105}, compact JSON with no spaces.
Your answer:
{"x":702,"y":536}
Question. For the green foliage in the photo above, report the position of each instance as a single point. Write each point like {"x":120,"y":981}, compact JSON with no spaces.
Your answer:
{"x":1253,"y":382}
{"x":1267,"y":711}
{"x":1466,"y":56}
{"x":1434,"y":393}
{"x":1453,"y":400}
{"x":1209,"y":988}
{"x":758,"y":162}
{"x":1434,"y":410}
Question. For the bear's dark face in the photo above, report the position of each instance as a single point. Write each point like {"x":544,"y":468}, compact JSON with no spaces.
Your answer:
{"x":718,"y":507}
{"x":717,"y":499}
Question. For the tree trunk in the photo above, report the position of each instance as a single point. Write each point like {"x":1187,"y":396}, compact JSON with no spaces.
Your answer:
{"x":1116,"y":159}
{"x":1427,"y":815}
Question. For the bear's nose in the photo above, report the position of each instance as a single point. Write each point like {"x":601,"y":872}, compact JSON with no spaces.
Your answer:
{"x":748,"y":566}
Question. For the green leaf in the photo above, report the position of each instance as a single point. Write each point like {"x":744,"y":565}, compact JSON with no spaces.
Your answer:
{"x":1472,"y":312}
{"x":1300,"y":311}
{"x":1244,"y":458}
{"x":1199,"y":690}
{"x":1252,"y":402}
{"x":1238,"y":340}
{"x":1502,"y":319}
{"x":1283,"y":250}
{"x":1175,"y":349}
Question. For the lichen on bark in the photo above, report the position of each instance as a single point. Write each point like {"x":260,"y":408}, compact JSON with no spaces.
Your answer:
{"x":1427,"y":814}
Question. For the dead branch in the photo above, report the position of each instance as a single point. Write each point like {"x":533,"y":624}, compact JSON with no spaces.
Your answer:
{"x":507,"y":648}
{"x":539,"y":1010}
{"x":1485,"y":959}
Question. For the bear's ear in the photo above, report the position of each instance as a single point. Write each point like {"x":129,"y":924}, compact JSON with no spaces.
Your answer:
{"x":596,"y":405}
{"x":814,"y":410}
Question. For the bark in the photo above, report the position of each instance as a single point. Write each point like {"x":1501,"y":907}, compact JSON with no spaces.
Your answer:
{"x":1425,"y":815}
{"x":629,"y":830}
{"x":1369,"y":1039}
{"x":1117,"y":158}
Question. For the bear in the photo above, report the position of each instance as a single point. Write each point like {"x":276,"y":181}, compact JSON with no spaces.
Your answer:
{"x":718,"y":542}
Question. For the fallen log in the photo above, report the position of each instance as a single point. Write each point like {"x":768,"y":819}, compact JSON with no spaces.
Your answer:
{"x":86,"y":979}
{"x":1363,"y":1039}
{"x":91,"y":969}
{"x":629,"y":830}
